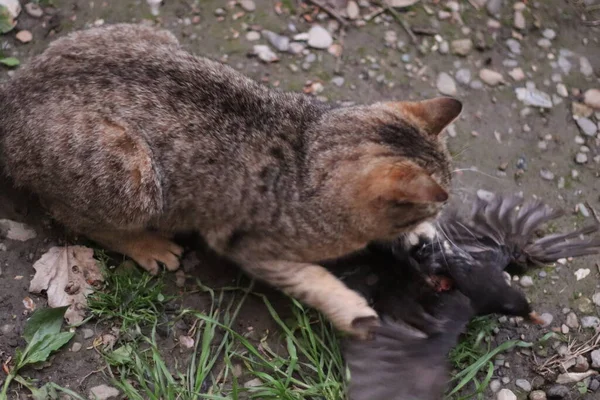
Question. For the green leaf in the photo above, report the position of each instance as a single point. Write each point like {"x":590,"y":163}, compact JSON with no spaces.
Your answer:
{"x":41,"y":346}
{"x":10,"y":61}
{"x":47,"y":321}
{"x":121,"y":356}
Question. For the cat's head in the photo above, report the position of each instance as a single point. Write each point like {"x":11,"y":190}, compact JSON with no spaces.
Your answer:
{"x":393,"y":166}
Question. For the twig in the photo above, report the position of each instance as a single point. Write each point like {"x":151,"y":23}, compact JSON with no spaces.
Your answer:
{"x":329,"y":11}
{"x":594,"y":212}
{"x":90,"y":374}
{"x":401,"y":21}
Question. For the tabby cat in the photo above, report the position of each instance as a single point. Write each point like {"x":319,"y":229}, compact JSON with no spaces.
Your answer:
{"x":127,"y":139}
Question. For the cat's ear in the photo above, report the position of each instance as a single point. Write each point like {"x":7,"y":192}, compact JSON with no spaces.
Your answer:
{"x":431,"y":115}
{"x":402,"y":182}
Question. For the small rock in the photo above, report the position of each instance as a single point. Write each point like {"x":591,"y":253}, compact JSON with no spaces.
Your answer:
{"x":581,"y":158}
{"x":596,"y":299}
{"x":16,"y":230}
{"x":493,"y":7}
{"x":338,"y":81}
{"x":514,"y":46}
{"x":561,"y":89}
{"x":495,"y":386}
{"x":444,"y":47}
{"x":446,"y":85}
{"x":517,"y":74}
{"x":265,"y":53}
{"x":549,"y":34}
{"x":352,"y":10}
{"x":591,"y":98}
{"x":533,"y":97}
{"x":582,"y":273}
{"x":280,"y":42}
{"x":581,"y":365}
{"x":595,"y":359}
{"x":585,"y":67}
{"x":87,"y":333}
{"x":537,"y":395}
{"x":252,"y":36}
{"x":463,"y":76}
{"x":13,"y":7}
{"x":547,"y":174}
{"x":319,"y":37}
{"x":506,"y":394}
{"x":526,"y":281}
{"x":572,"y":321}
{"x":523,"y":384}
{"x":461,"y":47}
{"x":586,"y":126}
{"x":476,"y":84}
{"x":519,"y":20}
{"x":547,"y":318}
{"x":594,"y":385}
{"x":490,"y":77}
{"x":296,"y":48}
{"x":581,"y":110}
{"x":558,"y":391}
{"x":247,"y":5}
{"x":564,"y":329}
{"x":76,"y":347}
{"x":103,"y":392}
{"x":24,"y":36}
{"x":34,"y":10}
{"x":7,"y":329}
{"x":590,"y":322}
{"x":186,"y":342}
{"x":253,"y":383}
{"x":544,"y":43}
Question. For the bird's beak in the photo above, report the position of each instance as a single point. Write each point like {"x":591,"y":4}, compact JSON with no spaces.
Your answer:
{"x":535,"y":318}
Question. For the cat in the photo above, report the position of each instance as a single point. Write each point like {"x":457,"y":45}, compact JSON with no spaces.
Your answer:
{"x":128,"y":139}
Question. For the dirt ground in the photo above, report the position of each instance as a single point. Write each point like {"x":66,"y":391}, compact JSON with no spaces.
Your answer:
{"x":499,"y":146}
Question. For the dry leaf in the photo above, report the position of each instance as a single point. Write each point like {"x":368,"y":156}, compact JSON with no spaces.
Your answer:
{"x":68,"y":275}
{"x":16,"y":230}
{"x":572,"y":377}
{"x":401,"y":3}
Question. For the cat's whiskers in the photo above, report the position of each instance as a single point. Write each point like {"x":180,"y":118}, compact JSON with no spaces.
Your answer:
{"x":446,"y":235}
{"x":476,"y":170}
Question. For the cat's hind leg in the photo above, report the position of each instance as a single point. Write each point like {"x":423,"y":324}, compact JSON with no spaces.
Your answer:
{"x":320,"y":289}
{"x":148,"y":249}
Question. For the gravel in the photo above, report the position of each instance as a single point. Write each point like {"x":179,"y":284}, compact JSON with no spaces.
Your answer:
{"x":491,"y":77}
{"x":446,"y":85}
{"x":587,"y":126}
{"x":523,"y":384}
{"x":590,"y":322}
{"x":526,"y":281}
{"x":319,"y":37}
{"x":281,"y":43}
{"x":558,"y":391}
{"x":463,"y":76}
{"x":506,"y":394}
{"x":461,"y":47}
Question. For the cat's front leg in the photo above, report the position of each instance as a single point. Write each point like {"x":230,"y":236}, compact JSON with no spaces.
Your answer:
{"x":320,"y":289}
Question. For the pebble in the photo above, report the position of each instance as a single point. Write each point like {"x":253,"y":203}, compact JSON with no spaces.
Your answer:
{"x":506,"y":394}
{"x":24,"y":36}
{"x":514,"y":46}
{"x":445,"y":84}
{"x":76,"y":347}
{"x":247,"y":5}
{"x":444,"y":47}
{"x":281,"y":43}
{"x":585,"y":67}
{"x":585,"y":305}
{"x":586,"y":126}
{"x":517,"y":74}
{"x":591,"y":98}
{"x":338,"y":81}
{"x":596,"y":299}
{"x":561,"y":89}
{"x":490,"y":77}
{"x":476,"y":84}
{"x":296,"y":48}
{"x":461,"y":47}
{"x":495,"y":385}
{"x":549,"y":34}
{"x":581,"y":365}
{"x":13,"y":7}
{"x":523,"y":384}
{"x":547,"y":174}
{"x":319,"y":37}
{"x":537,"y":395}
{"x":252,"y":36}
{"x":581,"y":110}
{"x":572,"y":321}
{"x":7,"y":329}
{"x":544,"y":43}
{"x":519,"y":20}
{"x":103,"y":392}
{"x":533,"y":97}
{"x":581,"y":158}
{"x":87,"y":333}
{"x":463,"y":76}
{"x":590,"y":322}
{"x":558,"y":391}
{"x":547,"y":318}
{"x":493,"y":7}
{"x":34,"y":10}
{"x":526,"y":281}
{"x":352,"y":10}
{"x":595,"y":358}
{"x":253,"y":383}
{"x":581,"y":273}
{"x":265,"y":53}
{"x":594,"y":385}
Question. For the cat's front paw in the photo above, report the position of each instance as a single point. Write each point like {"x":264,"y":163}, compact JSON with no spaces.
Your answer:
{"x":359,"y":322}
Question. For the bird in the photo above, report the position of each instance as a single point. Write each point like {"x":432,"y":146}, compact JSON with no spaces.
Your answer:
{"x":427,"y":292}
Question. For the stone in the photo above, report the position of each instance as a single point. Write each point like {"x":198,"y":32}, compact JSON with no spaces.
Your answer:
{"x":446,"y":85}
{"x":281,"y":43}
{"x":549,"y":34}
{"x":463,"y":76}
{"x":514,"y":46}
{"x":252,"y":36}
{"x":253,"y":383}
{"x":103,"y":392}
{"x":296,"y":48}
{"x":544,"y":43}
{"x":24,"y":36}
{"x":590,"y":322}
{"x":505,"y":394}
{"x":519,"y":20}
{"x":581,"y":158}
{"x":493,"y":7}
{"x":444,"y":47}
{"x":585,"y":67}
{"x":596,"y":299}
{"x":247,"y":5}
{"x":581,"y":364}
{"x":338,"y":81}
{"x":13,"y":7}
{"x":537,"y":395}
{"x":558,"y":391}
{"x":547,"y":174}
{"x":7,"y":329}
{"x":76,"y":346}
{"x":581,"y":110}
{"x":526,"y":281}
{"x":87,"y":333}
{"x":572,"y":321}
{"x":476,"y":84}
{"x":490,"y":77}
{"x":591,"y":98}
{"x":265,"y":53}
{"x":16,"y":230}
{"x":561,"y":89}
{"x":523,"y":384}
{"x":352,"y":10}
{"x":594,"y":385}
{"x":517,"y":74}
{"x":461,"y":47}
{"x":34,"y":10}
{"x":595,"y":355}
{"x":319,"y":37}
{"x":495,"y":386}
{"x":547,"y":318}
{"x":587,"y":126}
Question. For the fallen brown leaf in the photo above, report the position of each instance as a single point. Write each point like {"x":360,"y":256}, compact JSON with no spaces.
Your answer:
{"x":68,"y":275}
